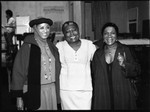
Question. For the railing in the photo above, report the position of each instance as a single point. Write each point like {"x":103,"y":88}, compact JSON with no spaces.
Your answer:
{"x":135,"y":41}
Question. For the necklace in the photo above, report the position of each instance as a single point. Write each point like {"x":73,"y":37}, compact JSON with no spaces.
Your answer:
{"x":45,"y":55}
{"x":109,"y":53}
{"x":47,"y":64}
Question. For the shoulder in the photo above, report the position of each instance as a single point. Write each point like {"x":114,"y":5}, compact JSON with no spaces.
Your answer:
{"x":59,"y":44}
{"x":98,"y":53}
{"x":24,"y":49}
{"x":124,"y":46}
{"x":25,"y":46}
{"x":29,"y":38}
{"x":11,"y":19}
{"x":99,"y":43}
{"x":87,"y":41}
{"x":89,"y":44}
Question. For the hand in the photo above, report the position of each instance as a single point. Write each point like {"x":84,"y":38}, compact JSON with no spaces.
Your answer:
{"x":2,"y":26}
{"x":20,"y":104}
{"x":121,"y":59}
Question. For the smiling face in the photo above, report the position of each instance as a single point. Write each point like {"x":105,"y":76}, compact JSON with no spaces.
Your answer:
{"x":109,"y":35}
{"x":43,"y":30}
{"x":71,"y":33}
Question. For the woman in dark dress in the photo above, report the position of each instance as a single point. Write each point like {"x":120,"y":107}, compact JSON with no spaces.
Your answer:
{"x":112,"y":68}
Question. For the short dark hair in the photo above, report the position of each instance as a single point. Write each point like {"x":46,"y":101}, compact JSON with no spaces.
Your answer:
{"x":69,"y":23}
{"x":9,"y":12}
{"x":110,"y":24}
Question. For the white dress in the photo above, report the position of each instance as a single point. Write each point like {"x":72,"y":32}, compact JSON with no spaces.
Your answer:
{"x":75,"y":77}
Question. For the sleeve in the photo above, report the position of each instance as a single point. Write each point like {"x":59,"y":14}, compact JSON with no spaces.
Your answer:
{"x":11,"y":22}
{"x":93,"y":67}
{"x":20,"y":70}
{"x":60,"y":46}
{"x":132,"y":67}
{"x":58,"y":68}
{"x":92,"y":49}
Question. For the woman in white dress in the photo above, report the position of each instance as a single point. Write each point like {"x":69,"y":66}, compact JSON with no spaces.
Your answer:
{"x":75,"y":77}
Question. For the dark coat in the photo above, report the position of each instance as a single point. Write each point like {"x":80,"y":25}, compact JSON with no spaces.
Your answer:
{"x":99,"y":43}
{"x":27,"y":69}
{"x":123,"y":93}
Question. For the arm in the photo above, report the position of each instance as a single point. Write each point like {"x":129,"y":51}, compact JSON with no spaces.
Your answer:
{"x":94,"y":67}
{"x":92,"y":48}
{"x":10,"y":26}
{"x":19,"y":75}
{"x":130,"y":65}
{"x":11,"y":22}
{"x":20,"y":104}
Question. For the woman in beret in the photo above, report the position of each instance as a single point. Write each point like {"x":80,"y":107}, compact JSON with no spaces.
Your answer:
{"x":75,"y":77}
{"x":36,"y":70}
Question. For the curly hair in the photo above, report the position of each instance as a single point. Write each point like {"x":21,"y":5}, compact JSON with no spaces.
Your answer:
{"x":9,"y":12}
{"x":109,"y":24}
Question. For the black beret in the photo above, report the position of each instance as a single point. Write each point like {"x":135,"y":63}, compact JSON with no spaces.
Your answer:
{"x":39,"y":21}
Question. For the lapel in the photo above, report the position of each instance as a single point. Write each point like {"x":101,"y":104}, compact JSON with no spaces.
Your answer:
{"x":102,"y":60}
{"x":50,"y":46}
{"x":118,"y":50}
{"x":101,"y":56}
{"x":34,"y":70}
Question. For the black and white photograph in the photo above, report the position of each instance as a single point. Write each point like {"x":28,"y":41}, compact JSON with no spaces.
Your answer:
{"x":75,"y":55}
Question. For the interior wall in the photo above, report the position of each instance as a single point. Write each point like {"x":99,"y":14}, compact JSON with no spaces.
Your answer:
{"x":58,"y":11}
{"x":118,"y":14}
{"x":149,"y":9}
{"x":143,"y":11}
{"x":77,"y":16}
{"x":35,"y":9}
{"x":88,"y":22}
{"x":81,"y":13}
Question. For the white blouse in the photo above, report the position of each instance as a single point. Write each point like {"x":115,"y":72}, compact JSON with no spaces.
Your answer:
{"x":75,"y":65}
{"x":11,"y":22}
